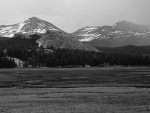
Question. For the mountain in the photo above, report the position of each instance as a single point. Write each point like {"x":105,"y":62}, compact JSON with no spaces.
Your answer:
{"x":29,"y":26}
{"x":49,"y":35}
{"x":60,"y":39}
{"x":120,"y":34}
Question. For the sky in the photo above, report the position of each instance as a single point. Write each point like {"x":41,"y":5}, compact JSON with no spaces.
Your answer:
{"x":70,"y":15}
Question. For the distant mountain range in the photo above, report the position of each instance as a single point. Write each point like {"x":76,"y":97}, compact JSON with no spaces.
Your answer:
{"x":120,"y":34}
{"x":49,"y":33}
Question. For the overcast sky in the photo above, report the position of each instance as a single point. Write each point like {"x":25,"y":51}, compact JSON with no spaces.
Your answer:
{"x":70,"y":15}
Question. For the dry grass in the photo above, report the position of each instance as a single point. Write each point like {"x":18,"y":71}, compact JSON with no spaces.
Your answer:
{"x":85,"y":90}
{"x":75,"y":100}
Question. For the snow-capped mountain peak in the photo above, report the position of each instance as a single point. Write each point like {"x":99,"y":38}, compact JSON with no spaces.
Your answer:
{"x":29,"y":26}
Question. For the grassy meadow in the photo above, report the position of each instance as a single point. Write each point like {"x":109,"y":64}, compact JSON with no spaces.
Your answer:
{"x":75,"y":90}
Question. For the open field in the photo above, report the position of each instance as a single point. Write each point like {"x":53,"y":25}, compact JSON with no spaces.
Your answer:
{"x":78,"y":90}
{"x":75,"y":77}
{"x":75,"y":100}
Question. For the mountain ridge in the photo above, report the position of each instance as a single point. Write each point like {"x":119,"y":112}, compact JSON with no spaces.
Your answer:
{"x":120,"y":34}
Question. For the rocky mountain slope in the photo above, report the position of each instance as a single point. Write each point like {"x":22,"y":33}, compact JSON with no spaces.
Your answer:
{"x":120,"y":34}
{"x":60,"y":39}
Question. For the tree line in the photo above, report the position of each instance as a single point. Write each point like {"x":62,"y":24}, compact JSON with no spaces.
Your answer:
{"x":28,"y":51}
{"x":40,"y":57}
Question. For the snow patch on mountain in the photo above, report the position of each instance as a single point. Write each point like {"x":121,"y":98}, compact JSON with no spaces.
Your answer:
{"x":117,"y":32}
{"x":87,"y":35}
{"x":20,"y":27}
{"x":140,"y":34}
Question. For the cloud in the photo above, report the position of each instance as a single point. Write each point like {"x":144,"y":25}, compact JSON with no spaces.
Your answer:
{"x":70,"y":14}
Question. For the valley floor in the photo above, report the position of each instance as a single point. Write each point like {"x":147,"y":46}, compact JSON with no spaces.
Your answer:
{"x":75,"y":90}
{"x":75,"y":100}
